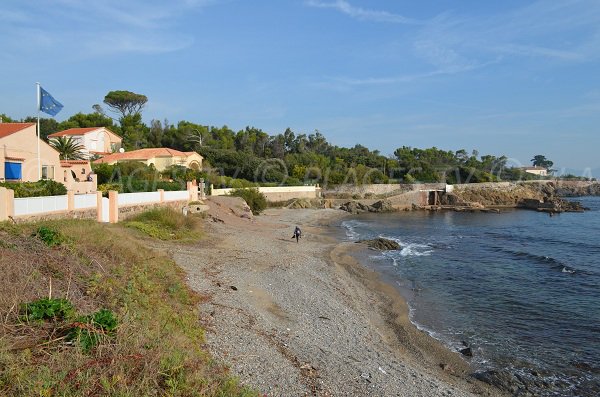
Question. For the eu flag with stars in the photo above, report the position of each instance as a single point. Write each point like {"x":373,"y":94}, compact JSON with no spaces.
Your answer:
{"x":48,"y":104}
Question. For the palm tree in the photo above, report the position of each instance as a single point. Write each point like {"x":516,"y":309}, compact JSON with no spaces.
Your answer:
{"x":68,"y":148}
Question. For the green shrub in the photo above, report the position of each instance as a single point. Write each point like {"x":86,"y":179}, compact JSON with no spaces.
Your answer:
{"x":47,"y":309}
{"x":49,"y":236}
{"x":90,"y":330}
{"x":253,"y":197}
{"x":165,"y":223}
{"x":36,"y":189}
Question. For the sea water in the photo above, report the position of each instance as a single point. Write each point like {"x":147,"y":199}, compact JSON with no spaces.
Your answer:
{"x":521,"y":288}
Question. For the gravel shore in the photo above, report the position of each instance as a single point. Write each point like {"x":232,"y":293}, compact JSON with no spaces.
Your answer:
{"x":303,"y":319}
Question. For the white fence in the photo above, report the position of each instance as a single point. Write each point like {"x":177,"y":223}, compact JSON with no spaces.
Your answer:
{"x":85,"y":201}
{"x":179,"y":195}
{"x":280,"y":193}
{"x":39,"y":205}
{"x":138,"y":198}
{"x":53,"y":204}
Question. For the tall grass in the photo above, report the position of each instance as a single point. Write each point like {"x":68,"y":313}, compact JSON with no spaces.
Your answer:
{"x":165,"y":223}
{"x":156,"y":349}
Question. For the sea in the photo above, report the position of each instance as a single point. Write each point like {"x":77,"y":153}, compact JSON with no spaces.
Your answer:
{"x":521,"y":288}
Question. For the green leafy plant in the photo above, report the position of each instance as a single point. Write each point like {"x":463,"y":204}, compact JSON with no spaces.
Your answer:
{"x":90,"y":330}
{"x":49,"y":236}
{"x":253,"y":197}
{"x":47,"y":309}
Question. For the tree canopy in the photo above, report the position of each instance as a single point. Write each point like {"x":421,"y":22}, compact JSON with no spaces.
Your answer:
{"x":126,"y":103}
{"x":540,"y":160}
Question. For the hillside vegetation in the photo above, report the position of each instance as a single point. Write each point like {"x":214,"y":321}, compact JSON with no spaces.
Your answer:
{"x":90,"y":311}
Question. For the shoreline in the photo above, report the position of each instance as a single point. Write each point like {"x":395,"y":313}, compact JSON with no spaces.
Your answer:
{"x":309,"y":319}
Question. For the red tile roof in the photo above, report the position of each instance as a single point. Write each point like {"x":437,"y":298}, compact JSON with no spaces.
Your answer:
{"x":143,"y":154}
{"x":7,"y":129}
{"x":73,"y":131}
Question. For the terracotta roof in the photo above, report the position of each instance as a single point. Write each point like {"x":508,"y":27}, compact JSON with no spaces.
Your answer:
{"x":73,"y":131}
{"x":71,"y":162}
{"x":533,"y":168}
{"x":14,"y":158}
{"x":143,"y":154}
{"x":7,"y":129}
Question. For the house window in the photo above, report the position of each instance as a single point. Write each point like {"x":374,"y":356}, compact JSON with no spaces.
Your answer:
{"x":47,"y":172}
{"x":12,"y":171}
{"x":83,"y":171}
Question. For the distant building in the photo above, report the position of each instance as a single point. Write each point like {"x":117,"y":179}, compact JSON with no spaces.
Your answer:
{"x":19,"y":160}
{"x":160,"y":158}
{"x":541,"y":171}
{"x":95,"y":140}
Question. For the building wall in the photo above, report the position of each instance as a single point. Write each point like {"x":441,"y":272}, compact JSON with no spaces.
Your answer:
{"x":23,"y":144}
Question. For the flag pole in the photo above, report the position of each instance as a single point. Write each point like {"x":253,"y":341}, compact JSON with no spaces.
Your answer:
{"x":39,"y":161}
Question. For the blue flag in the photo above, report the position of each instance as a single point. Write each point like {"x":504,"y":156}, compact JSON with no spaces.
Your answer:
{"x":48,"y":104}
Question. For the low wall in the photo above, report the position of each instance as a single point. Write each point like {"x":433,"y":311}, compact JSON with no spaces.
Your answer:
{"x":280,"y":193}
{"x":380,"y":189}
{"x":88,"y":213}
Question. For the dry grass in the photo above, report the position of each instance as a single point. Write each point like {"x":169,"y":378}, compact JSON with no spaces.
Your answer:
{"x":157,"y":349}
{"x":165,"y":223}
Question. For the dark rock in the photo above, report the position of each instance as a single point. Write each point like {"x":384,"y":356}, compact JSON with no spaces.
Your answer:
{"x":382,"y":206}
{"x":233,"y":287}
{"x":467,"y":351}
{"x":381,"y":244}
{"x":445,"y":367}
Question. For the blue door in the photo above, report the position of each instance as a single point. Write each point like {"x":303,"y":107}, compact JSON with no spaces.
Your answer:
{"x":12,"y":170}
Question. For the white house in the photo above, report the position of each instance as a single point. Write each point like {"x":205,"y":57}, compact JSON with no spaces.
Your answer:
{"x":541,"y":171}
{"x":95,"y":140}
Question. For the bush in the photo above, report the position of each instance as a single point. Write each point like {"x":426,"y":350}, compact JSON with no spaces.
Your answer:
{"x":89,"y":330}
{"x":253,"y":197}
{"x":49,"y":236}
{"x":36,"y":189}
{"x":47,"y":309}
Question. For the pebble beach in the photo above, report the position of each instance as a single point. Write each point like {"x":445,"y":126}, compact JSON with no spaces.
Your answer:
{"x":306,"y":319}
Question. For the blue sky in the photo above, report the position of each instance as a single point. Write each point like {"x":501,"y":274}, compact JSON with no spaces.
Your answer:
{"x":517,"y":78}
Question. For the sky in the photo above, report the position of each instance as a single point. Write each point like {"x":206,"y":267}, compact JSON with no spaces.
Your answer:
{"x":514,"y":78}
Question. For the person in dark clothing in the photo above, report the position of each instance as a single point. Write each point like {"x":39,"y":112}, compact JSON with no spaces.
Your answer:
{"x":297,"y":233}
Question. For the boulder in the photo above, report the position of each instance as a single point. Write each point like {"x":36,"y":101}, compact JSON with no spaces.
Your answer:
{"x":381,"y":244}
{"x":382,"y":206}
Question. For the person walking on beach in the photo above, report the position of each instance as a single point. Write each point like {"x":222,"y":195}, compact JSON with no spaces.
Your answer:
{"x":297,"y":233}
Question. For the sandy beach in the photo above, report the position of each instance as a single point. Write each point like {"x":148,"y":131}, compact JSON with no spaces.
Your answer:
{"x":302,"y":319}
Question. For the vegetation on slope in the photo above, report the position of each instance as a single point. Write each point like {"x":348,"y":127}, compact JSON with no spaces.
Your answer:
{"x":77,"y":279}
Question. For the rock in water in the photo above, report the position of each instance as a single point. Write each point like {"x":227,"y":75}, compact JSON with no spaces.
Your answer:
{"x":381,"y":244}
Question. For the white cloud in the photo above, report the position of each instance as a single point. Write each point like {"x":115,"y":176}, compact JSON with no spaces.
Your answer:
{"x":361,"y":13}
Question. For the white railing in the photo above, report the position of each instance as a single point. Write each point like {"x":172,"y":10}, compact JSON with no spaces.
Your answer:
{"x":271,"y":189}
{"x":138,"y":198}
{"x":38,"y":205}
{"x":179,"y":195}
{"x":85,"y":201}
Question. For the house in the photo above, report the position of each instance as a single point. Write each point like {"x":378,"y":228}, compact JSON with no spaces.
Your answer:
{"x":95,"y":140}
{"x":19,"y":160}
{"x":160,"y":158}
{"x":541,"y":171}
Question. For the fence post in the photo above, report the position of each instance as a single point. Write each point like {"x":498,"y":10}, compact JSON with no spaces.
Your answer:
{"x":99,"y":206}
{"x":113,"y":206}
{"x":161,"y":193}
{"x":7,"y":200}
{"x":193,"y":192}
{"x":201,"y":193}
{"x":70,"y":200}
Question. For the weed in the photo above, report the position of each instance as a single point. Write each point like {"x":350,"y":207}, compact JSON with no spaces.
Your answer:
{"x":165,"y":224}
{"x":47,"y":309}
{"x":253,"y":197}
{"x":89,"y":330}
{"x":49,"y":236}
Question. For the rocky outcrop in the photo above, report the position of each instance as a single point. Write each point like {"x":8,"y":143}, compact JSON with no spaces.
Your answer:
{"x":358,"y":207}
{"x":551,"y":205}
{"x":381,"y":244}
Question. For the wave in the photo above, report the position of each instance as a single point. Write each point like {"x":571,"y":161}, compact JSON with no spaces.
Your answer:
{"x":552,"y":263}
{"x":351,"y":227}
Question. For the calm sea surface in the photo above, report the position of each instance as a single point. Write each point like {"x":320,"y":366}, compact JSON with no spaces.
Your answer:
{"x":520,"y":287}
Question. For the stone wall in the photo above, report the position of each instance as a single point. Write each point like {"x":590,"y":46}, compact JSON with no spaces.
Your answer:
{"x":87,"y":213}
{"x":361,"y":191}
